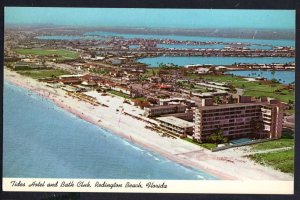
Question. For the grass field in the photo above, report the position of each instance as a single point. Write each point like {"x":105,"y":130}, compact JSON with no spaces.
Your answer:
{"x":286,"y":140}
{"x":120,"y":94}
{"x":100,"y":71}
{"x":150,"y":71}
{"x":274,"y":144}
{"x":126,"y":96}
{"x":205,"y":145}
{"x":282,"y":160}
{"x":253,"y":88}
{"x":47,"y":52}
{"x":45,"y":73}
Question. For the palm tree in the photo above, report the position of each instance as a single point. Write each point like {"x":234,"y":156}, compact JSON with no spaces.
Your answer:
{"x":44,"y":62}
{"x":153,"y":72}
{"x":192,"y":86}
{"x":217,"y":100}
{"x":257,"y":126}
{"x":214,"y":138}
{"x":291,"y":102}
{"x":230,"y":99}
{"x":217,"y":136}
{"x":213,"y":70}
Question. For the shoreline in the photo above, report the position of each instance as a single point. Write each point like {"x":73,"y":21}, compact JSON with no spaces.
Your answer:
{"x":188,"y":155}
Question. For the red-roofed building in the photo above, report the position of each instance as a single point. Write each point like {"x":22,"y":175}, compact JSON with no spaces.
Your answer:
{"x":70,"y":81}
{"x":166,"y":87}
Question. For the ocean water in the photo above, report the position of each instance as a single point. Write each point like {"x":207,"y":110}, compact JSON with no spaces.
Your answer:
{"x":285,"y":77}
{"x":194,"y":38}
{"x":185,"y":60}
{"x":41,"y":140}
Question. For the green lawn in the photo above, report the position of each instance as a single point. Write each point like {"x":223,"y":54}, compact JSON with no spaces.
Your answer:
{"x":45,"y":73}
{"x":281,"y":160}
{"x":205,"y":145}
{"x":126,"y":96}
{"x":193,"y":76}
{"x":254,"y":88}
{"x":141,"y":98}
{"x":100,"y":71}
{"x":47,"y":52}
{"x":150,"y":71}
{"x":274,"y":144}
{"x":286,"y":140}
{"x":290,"y":112}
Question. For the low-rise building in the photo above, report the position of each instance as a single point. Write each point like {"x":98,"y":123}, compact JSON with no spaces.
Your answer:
{"x":214,"y":86}
{"x":27,"y":65}
{"x":122,"y":89}
{"x":176,"y":125}
{"x":70,"y":81}
{"x":21,"y":65}
{"x":202,"y":70}
{"x":189,"y":103}
{"x":188,"y":115}
{"x":161,"y":110}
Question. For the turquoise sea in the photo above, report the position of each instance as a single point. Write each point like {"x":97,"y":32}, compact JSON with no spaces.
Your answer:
{"x":41,"y":140}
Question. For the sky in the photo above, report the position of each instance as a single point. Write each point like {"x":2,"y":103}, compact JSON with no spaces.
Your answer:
{"x":152,"y":18}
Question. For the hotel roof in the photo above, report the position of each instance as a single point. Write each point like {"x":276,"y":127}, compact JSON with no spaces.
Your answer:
{"x":167,"y":106}
{"x":176,"y":121}
{"x":213,"y":86}
{"x":235,"y":105}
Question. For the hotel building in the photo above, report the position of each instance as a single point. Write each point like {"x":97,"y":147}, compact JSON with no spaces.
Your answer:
{"x":239,"y":119}
{"x":162,"y":110}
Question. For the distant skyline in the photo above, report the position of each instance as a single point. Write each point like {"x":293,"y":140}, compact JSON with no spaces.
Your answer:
{"x":152,"y":18}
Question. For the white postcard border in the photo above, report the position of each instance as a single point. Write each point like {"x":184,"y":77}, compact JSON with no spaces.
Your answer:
{"x":147,"y":186}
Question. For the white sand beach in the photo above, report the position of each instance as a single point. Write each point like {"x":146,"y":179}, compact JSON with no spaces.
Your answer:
{"x":250,"y":79}
{"x":227,"y":165}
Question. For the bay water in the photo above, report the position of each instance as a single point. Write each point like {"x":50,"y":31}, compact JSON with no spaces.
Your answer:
{"x":193,"y":38}
{"x":284,"y":77}
{"x":189,"y":60}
